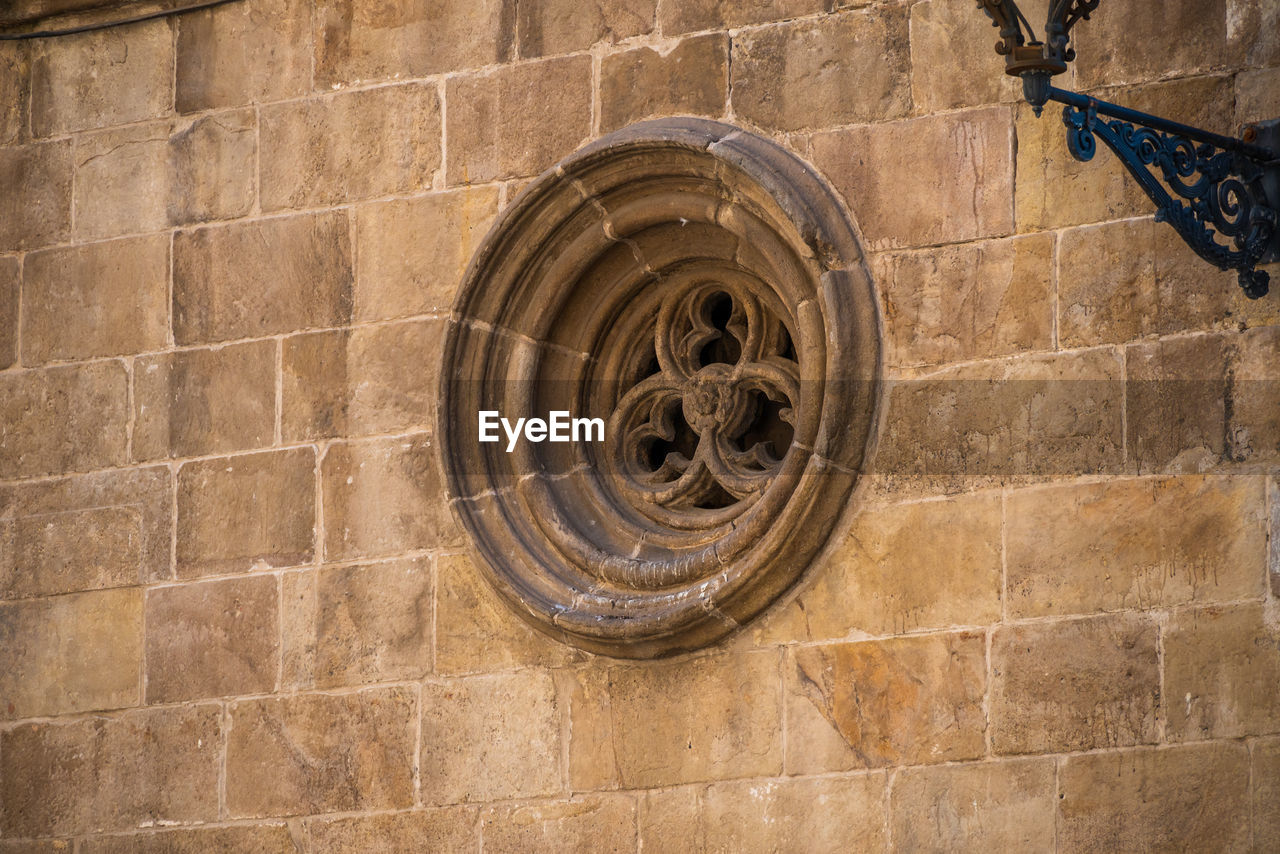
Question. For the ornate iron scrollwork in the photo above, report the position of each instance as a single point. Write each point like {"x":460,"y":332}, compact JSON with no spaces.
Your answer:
{"x":1220,"y":185}
{"x":1215,"y":184}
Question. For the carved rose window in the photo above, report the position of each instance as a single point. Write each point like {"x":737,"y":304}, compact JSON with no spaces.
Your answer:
{"x":701,"y":292}
{"x":708,"y":421}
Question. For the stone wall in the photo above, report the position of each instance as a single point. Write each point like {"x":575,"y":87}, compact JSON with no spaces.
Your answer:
{"x":237,"y":614}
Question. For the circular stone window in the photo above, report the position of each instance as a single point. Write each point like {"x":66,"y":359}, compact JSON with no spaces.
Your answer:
{"x":695,"y":294}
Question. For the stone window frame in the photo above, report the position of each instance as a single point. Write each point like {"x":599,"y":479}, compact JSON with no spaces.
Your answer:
{"x":564,"y":307}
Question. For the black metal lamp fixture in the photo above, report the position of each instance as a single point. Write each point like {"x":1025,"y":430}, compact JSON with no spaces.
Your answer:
{"x":1218,"y":186}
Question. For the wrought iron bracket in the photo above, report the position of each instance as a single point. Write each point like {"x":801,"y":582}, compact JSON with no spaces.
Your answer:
{"x":1205,"y":185}
{"x":1208,"y":186}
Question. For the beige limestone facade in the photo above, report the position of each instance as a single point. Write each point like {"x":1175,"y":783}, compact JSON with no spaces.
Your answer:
{"x":238,"y":615}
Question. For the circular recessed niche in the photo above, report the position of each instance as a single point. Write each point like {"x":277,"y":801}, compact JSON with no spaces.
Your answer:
{"x":700,"y":291}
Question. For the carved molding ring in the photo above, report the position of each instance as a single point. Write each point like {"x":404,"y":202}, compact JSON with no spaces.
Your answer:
{"x":701,"y":291}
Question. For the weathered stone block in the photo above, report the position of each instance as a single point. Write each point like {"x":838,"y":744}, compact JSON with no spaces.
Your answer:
{"x":148,"y":177}
{"x":1222,"y":673}
{"x":1265,"y":777}
{"x":1193,"y":798}
{"x":1134,"y":544}
{"x":85,"y":533}
{"x":41,"y":846}
{"x":110,"y":773}
{"x":352,"y":145}
{"x":477,"y":632}
{"x":10,"y":282}
{"x":597,"y":823}
{"x":1274,"y":561}
{"x":228,"y":281}
{"x":314,"y":753}
{"x":496,"y":126}
{"x":70,"y":653}
{"x":563,"y":26}
{"x":108,"y":77}
{"x":905,"y":701}
{"x":15,"y":92}
{"x":971,"y":301}
{"x":1124,"y":280}
{"x":487,"y":738}
{"x":942,"y":179}
{"x":238,"y":513}
{"x":298,"y":629}
{"x":1106,"y":281}
{"x":35,"y":208}
{"x":686,"y":16}
{"x":1043,"y":414}
{"x":361,"y":41}
{"x":194,"y":402}
{"x":383,"y":497}
{"x":212,"y":165}
{"x":670,"y":819}
{"x":257,"y":838}
{"x":842,"y":69}
{"x":946,"y":36}
{"x":81,"y":549}
{"x":413,"y":251}
{"x":122,"y":181}
{"x":829,"y":815}
{"x":62,"y":420}
{"x":992,"y":806}
{"x":691,"y":79}
{"x":1054,"y":189}
{"x":242,"y":54}
{"x":1128,"y":44}
{"x":447,"y":829}
{"x":1253,"y":428}
{"x":666,"y":723}
{"x":884,"y":578}
{"x":379,"y":379}
{"x":105,"y":299}
{"x":1257,"y":95}
{"x":373,"y":623}
{"x":1251,"y":33}
{"x":1176,"y":400}
{"x":1076,"y":685}
{"x":212,"y":639}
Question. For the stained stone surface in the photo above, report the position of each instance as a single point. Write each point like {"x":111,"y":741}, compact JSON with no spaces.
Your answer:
{"x":1134,"y":544}
{"x":196,"y":402}
{"x":906,"y":701}
{"x":105,"y":299}
{"x":70,"y":653}
{"x":1037,"y":610}
{"x":240,"y":513}
{"x":323,"y":752}
{"x":508,"y":721}
{"x":227,"y":283}
{"x":701,"y":719}
{"x":212,"y":640}
{"x":1191,"y":797}
{"x":803,"y":75}
{"x":69,"y":777}
{"x":1078,"y":685}
{"x":693,"y":79}
{"x":1005,"y":805}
